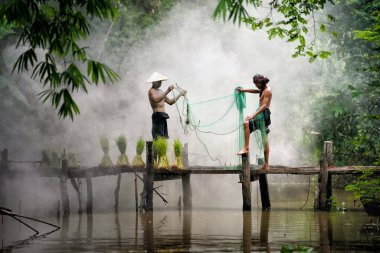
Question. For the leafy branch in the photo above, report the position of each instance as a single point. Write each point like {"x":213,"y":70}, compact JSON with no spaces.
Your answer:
{"x":56,"y":27}
{"x":292,"y":25}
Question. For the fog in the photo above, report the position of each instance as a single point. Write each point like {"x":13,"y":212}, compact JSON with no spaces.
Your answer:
{"x":207,"y":58}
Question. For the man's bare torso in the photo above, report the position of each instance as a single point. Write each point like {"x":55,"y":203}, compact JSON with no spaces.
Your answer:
{"x":266,"y":96}
{"x":156,"y":106}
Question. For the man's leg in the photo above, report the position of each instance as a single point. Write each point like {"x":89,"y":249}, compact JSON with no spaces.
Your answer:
{"x":266,"y":156}
{"x":245,"y":148}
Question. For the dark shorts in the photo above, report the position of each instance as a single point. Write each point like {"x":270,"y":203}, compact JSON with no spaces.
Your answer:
{"x":159,"y":125}
{"x":254,"y":124}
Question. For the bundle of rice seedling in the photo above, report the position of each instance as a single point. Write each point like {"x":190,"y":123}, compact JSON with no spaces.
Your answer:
{"x":160,"y":145}
{"x":106,"y":160}
{"x":178,"y":154}
{"x":137,"y":160}
{"x":121,"y":143}
{"x":73,"y":162}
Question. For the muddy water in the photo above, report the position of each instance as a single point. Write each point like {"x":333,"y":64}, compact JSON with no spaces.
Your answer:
{"x":196,"y":231}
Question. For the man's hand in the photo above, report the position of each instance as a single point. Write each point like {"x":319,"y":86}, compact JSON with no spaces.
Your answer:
{"x":170,"y":88}
{"x":183,"y":93}
{"x":248,"y":117}
{"x":239,"y":89}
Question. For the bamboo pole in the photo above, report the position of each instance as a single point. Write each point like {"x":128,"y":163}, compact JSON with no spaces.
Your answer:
{"x":246,"y":185}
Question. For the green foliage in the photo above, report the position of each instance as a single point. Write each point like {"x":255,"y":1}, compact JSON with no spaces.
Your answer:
{"x":57,"y":27}
{"x":297,"y":248}
{"x":366,"y":187}
{"x":135,"y":17}
{"x":121,"y":143}
{"x":293,"y":24}
{"x":337,"y":206}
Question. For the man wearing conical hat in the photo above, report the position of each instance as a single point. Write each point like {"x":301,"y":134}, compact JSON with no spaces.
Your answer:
{"x":157,"y":99}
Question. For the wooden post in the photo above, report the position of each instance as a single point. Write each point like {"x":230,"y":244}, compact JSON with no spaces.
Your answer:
{"x":264,"y":189}
{"x":117,"y":190}
{"x":89,"y":193}
{"x":328,"y":149}
{"x":79,"y":194}
{"x":4,"y":160}
{"x":246,"y":185}
{"x":136,"y":195}
{"x":186,"y":185}
{"x":149,"y":178}
{"x":63,"y":184}
{"x":3,"y":168}
{"x":325,"y":185}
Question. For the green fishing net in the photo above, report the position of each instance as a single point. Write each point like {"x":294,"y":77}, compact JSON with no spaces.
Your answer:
{"x":218,"y":124}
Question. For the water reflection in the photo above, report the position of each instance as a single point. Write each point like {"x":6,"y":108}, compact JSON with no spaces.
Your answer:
{"x":247,"y":231}
{"x":264,"y":230}
{"x":199,"y":231}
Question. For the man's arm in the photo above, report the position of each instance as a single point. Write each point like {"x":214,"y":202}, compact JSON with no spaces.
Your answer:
{"x":156,"y":98}
{"x":248,"y":90}
{"x":266,"y":97}
{"x":171,"y":101}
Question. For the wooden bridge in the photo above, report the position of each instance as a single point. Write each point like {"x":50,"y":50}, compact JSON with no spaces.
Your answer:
{"x":247,"y":173}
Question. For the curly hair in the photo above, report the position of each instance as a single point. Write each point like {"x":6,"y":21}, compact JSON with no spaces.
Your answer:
{"x":262,"y":80}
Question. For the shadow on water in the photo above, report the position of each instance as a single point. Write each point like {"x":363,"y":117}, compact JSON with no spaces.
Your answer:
{"x":199,"y":231}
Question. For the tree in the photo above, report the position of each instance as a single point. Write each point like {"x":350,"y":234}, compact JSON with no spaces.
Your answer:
{"x":57,"y":27}
{"x":293,"y":24}
{"x":345,"y":107}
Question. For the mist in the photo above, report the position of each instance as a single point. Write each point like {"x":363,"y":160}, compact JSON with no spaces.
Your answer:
{"x":207,"y":58}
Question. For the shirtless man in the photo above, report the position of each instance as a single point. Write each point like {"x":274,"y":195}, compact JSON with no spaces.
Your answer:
{"x":157,"y":99}
{"x":251,"y":122}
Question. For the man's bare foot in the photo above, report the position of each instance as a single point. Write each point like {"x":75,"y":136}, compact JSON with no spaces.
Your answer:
{"x":266,"y":167}
{"x":243,"y":151}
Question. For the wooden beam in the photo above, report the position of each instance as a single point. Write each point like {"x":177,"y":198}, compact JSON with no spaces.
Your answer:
{"x":246,"y":184}
{"x":149,"y":177}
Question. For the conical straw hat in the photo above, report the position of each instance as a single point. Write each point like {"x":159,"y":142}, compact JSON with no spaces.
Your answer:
{"x":155,"y":77}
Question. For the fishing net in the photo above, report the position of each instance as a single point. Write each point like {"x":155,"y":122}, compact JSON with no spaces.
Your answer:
{"x":218,"y":124}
